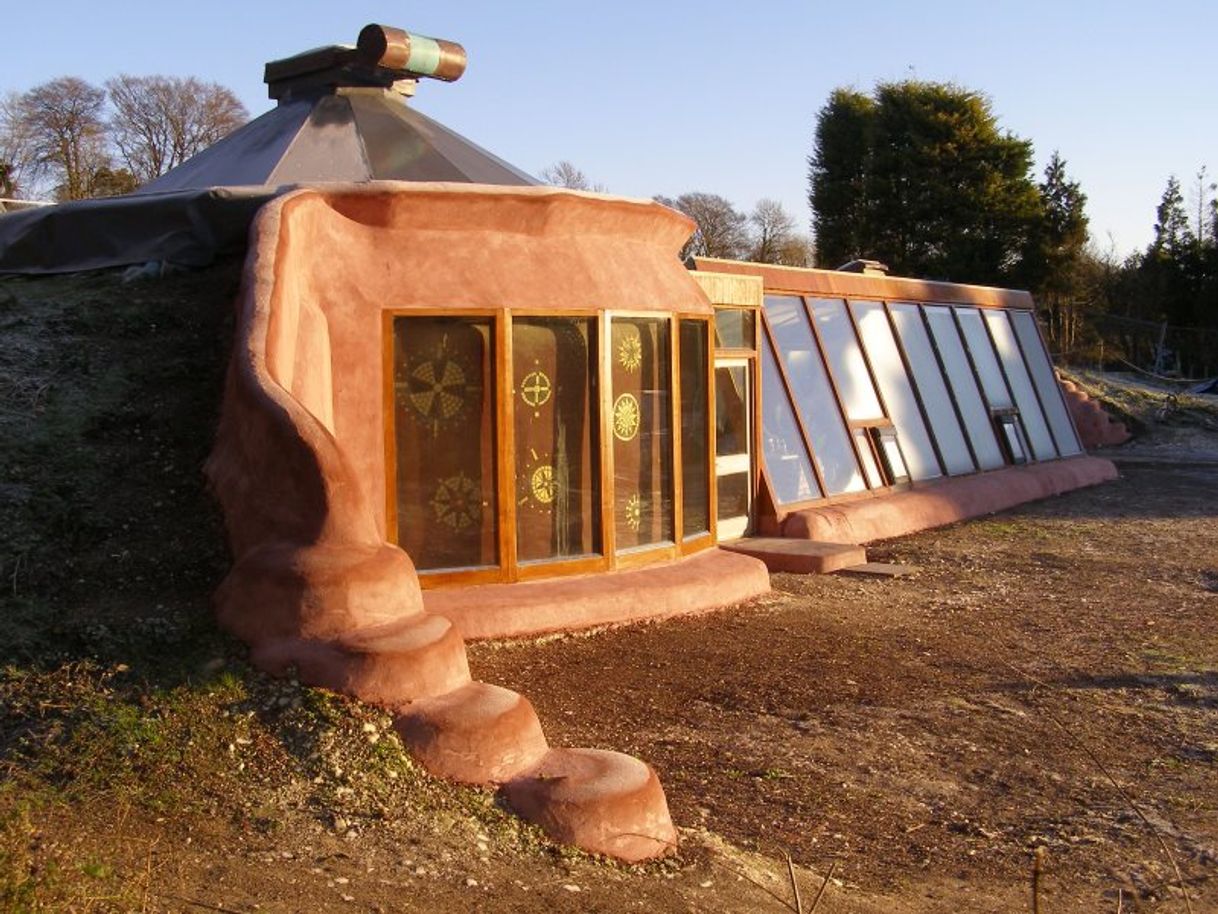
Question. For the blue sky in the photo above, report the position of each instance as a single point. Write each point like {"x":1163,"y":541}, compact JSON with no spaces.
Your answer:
{"x":665,"y":97}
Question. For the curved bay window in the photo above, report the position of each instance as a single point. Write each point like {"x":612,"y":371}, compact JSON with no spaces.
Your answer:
{"x":526,"y":445}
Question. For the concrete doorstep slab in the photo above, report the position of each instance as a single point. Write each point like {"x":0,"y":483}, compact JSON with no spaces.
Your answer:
{"x":798,"y":556}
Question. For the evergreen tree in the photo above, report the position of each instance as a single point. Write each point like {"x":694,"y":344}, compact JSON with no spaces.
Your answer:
{"x":1052,"y":266}
{"x":922,"y":178}
{"x":1172,"y":235}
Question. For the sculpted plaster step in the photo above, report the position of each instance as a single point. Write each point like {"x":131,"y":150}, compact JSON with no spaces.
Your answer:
{"x":478,"y":734}
{"x":419,"y":657}
{"x":798,"y":556}
{"x":604,"y":802}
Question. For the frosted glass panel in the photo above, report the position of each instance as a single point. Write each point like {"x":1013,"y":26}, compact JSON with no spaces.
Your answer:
{"x":814,"y":395}
{"x":894,"y":385}
{"x":845,"y":359}
{"x":933,"y":388}
{"x":1021,"y":385}
{"x":964,"y":387}
{"x":986,"y":362}
{"x":786,"y":458}
{"x":1046,"y":382}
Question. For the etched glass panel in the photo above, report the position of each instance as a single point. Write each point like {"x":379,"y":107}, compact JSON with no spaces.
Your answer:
{"x":641,"y":425}
{"x":964,"y":387}
{"x":894,"y":385}
{"x":835,"y":455}
{"x":933,"y":388}
{"x":1046,"y":382}
{"x":444,"y":434}
{"x":1021,"y":385}
{"x":695,"y":430}
{"x":554,"y":408}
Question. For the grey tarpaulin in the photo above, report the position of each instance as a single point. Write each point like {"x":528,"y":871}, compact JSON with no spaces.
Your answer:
{"x":205,"y":205}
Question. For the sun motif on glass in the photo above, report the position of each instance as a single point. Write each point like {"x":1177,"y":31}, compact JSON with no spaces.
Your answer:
{"x":543,"y":485}
{"x":536,"y":389}
{"x":634,"y":512}
{"x":625,"y":417}
{"x":457,"y":502}
{"x":630,"y":353}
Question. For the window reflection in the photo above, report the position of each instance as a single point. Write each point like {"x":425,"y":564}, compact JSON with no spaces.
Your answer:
{"x":695,"y":421}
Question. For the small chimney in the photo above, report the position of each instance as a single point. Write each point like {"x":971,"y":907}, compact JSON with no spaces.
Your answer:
{"x":383,"y":57}
{"x":866,"y":267}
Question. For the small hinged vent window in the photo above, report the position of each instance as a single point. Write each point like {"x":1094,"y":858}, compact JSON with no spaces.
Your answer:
{"x":1010,"y":436}
{"x":888,"y":450}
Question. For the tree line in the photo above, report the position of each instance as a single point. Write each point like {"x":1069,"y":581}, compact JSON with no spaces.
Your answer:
{"x":920,"y":176}
{"x":70,"y":139}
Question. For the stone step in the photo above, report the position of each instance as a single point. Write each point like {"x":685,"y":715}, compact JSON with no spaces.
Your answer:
{"x":879,"y":570}
{"x":798,"y":556}
{"x":604,"y":802}
{"x":478,"y":734}
{"x":419,"y":657}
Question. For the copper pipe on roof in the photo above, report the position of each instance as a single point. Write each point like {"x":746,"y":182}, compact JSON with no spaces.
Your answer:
{"x":405,"y":52}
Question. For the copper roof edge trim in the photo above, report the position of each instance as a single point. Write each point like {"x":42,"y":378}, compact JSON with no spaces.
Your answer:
{"x":815,"y":281}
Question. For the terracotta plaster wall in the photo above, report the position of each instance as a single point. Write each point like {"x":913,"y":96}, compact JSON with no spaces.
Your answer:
{"x":355,"y":253}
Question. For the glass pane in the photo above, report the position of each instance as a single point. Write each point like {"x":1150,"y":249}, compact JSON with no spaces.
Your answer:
{"x":786,"y":458}
{"x":894,"y":456}
{"x":734,"y":490}
{"x":964,"y":387}
{"x":1021,"y":385}
{"x":813,"y":394}
{"x":553,"y":399}
{"x":1046,"y":382}
{"x":870,"y":467}
{"x":642,"y":431}
{"x":932,"y":387}
{"x":986,"y":363}
{"x":845,"y":359}
{"x":734,"y":328}
{"x":695,"y":428}
{"x":894,"y":385}
{"x":731,"y":410}
{"x":444,"y":431}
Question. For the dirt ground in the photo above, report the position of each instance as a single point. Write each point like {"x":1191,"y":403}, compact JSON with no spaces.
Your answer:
{"x":1048,"y":678}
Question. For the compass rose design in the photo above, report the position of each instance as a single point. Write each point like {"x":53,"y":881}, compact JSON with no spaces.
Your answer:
{"x":634,"y":512}
{"x":438,"y":387}
{"x":457,"y":503}
{"x":536,"y":389}
{"x":543,"y":484}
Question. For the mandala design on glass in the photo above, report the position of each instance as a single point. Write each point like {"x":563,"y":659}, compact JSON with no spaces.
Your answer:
{"x":536,"y":389}
{"x":630,"y":353}
{"x":634,"y":512}
{"x":625,"y":417}
{"x":543,"y":484}
{"x":438,"y":387}
{"x":457,"y":502}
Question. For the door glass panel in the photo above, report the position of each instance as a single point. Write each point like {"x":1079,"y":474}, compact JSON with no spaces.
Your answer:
{"x":846,"y":359}
{"x":1021,"y":385}
{"x":444,"y":434}
{"x":734,"y":328}
{"x":786,"y":458}
{"x":731,"y":410}
{"x":984,"y":360}
{"x":813,"y":394}
{"x":933,"y":388}
{"x":641,"y":425}
{"x":695,"y":430}
{"x":553,"y":403}
{"x":964,"y":387}
{"x":894,"y":385}
{"x":1046,"y":382}
{"x":734,"y":492}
